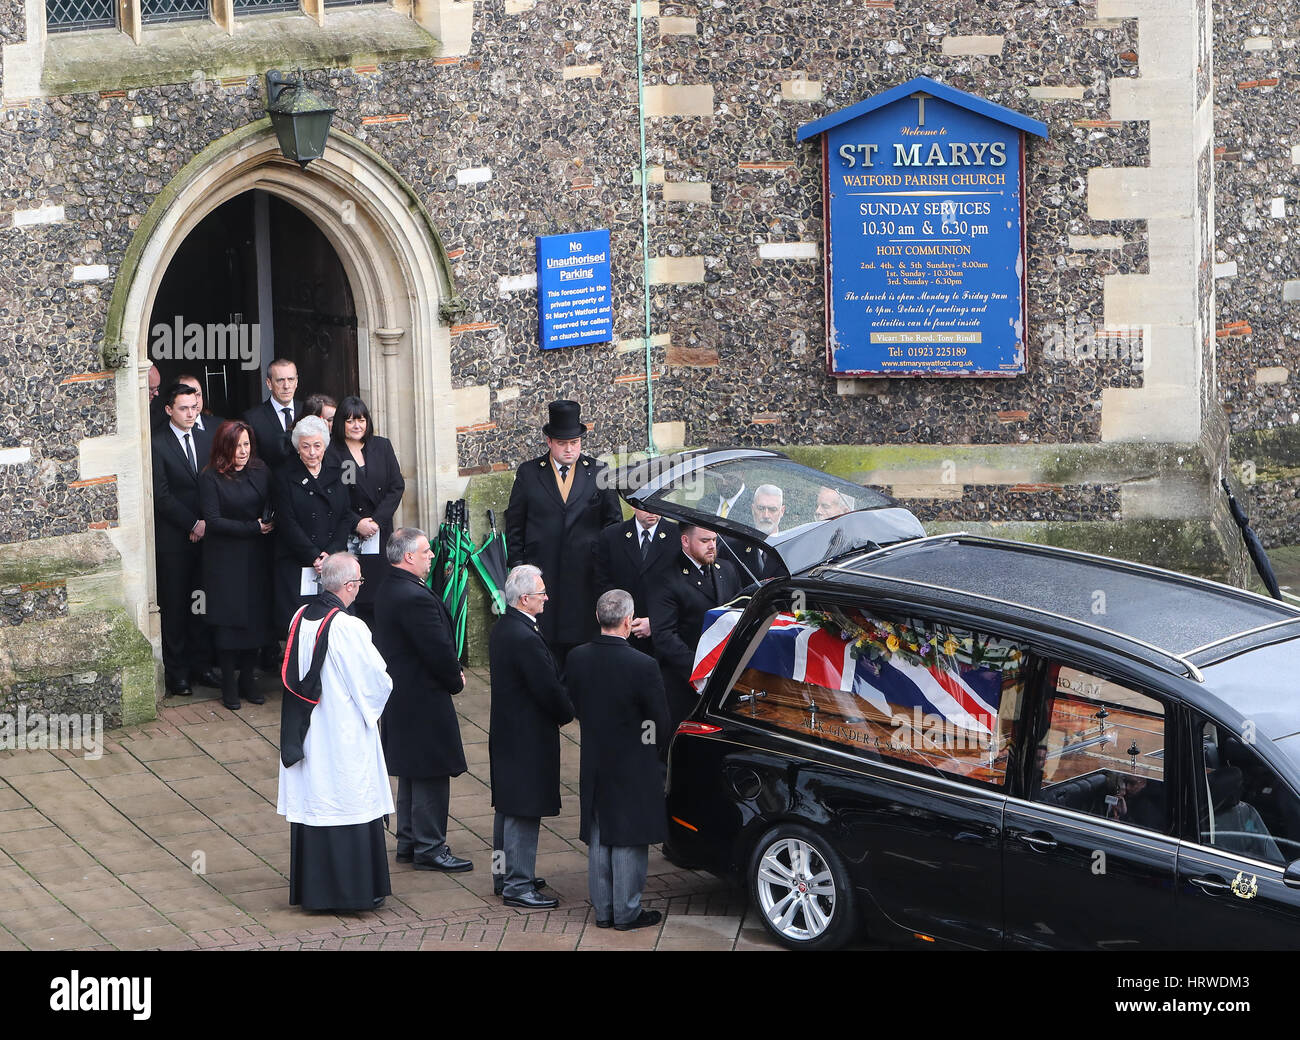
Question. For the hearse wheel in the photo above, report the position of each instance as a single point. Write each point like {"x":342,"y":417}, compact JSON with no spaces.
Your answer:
{"x":800,"y":887}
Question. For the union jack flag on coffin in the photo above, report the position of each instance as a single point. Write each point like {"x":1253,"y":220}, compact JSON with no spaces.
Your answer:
{"x":963,"y":696}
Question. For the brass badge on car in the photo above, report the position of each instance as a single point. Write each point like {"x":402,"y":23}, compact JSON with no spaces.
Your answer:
{"x":1244,"y":887}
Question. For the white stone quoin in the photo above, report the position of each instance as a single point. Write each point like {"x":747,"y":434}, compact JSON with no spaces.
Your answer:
{"x":474,"y":175}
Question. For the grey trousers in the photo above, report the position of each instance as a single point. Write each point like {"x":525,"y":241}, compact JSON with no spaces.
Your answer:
{"x":615,"y":877}
{"x":514,"y":852}
{"x":422,"y":806}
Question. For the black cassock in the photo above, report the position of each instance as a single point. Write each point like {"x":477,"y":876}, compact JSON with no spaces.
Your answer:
{"x":559,"y":537}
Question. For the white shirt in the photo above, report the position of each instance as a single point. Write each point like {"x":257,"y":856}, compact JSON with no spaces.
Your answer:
{"x":730,"y":503}
{"x":642,"y":532}
{"x":342,"y":778}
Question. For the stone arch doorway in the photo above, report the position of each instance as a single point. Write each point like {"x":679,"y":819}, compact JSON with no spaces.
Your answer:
{"x":401,"y":288}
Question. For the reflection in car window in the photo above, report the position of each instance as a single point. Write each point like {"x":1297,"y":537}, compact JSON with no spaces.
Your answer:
{"x":929,"y":696}
{"x":1244,"y":807}
{"x":1103,"y":751}
{"x":769,"y":495}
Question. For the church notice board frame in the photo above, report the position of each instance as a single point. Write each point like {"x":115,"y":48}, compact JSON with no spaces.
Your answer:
{"x":574,"y":301}
{"x":925,"y":243}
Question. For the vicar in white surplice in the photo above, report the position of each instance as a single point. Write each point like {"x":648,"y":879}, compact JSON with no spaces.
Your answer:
{"x":334,"y":787}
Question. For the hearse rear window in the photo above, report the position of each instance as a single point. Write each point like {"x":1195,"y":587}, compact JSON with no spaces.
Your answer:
{"x":907,"y":691}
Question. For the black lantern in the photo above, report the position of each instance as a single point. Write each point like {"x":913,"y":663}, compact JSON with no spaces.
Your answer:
{"x":300,"y":118}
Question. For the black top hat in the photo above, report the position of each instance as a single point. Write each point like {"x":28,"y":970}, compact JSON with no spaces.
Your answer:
{"x":564,"y":424}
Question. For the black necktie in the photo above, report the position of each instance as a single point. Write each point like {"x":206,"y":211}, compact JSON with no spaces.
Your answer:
{"x":564,"y":471}
{"x":645,"y":543}
{"x":189,"y":454}
{"x":288,"y":420}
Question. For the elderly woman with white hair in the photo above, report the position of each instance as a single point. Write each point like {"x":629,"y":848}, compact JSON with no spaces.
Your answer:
{"x":313,"y":515}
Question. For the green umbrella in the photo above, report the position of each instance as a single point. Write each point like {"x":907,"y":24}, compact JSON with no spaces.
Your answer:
{"x":449,"y":575}
{"x":489,"y":561}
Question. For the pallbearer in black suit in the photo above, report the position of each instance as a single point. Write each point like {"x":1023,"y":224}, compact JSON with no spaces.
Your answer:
{"x":313,"y":516}
{"x":619,"y":696}
{"x":558,"y":505}
{"x":207,"y":420}
{"x":631,"y":556}
{"x":235,"y":492}
{"x":274,"y":419}
{"x":179,"y":454}
{"x":695,"y":584}
{"x":375,"y":487}
{"x":422,"y":747}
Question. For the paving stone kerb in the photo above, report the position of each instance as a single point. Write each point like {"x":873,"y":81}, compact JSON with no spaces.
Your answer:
{"x":170,"y":840}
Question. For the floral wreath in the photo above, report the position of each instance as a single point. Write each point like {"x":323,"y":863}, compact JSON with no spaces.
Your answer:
{"x":880,"y":640}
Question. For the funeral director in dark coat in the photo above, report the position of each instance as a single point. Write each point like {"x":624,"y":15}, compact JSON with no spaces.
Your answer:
{"x":630,"y":556}
{"x":179,"y":454}
{"x":696,"y":583}
{"x":619,"y":696}
{"x":558,"y":505}
{"x":529,"y":705}
{"x":421,"y":733}
{"x":313,"y":516}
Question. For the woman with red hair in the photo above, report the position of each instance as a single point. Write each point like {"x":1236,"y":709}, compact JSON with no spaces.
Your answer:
{"x":234,"y":496}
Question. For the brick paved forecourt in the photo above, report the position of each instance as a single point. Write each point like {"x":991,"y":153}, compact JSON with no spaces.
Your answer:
{"x":171,"y":841}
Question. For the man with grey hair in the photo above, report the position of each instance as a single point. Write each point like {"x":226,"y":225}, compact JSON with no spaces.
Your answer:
{"x":618,"y":694}
{"x":529,"y":705}
{"x":413,"y":632}
{"x":832,"y":503}
{"x":334,"y":787}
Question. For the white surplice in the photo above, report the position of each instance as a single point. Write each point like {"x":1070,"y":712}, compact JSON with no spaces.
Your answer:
{"x":341,"y":779}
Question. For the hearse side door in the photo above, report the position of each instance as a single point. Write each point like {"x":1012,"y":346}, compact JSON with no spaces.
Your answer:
{"x":1089,"y":845}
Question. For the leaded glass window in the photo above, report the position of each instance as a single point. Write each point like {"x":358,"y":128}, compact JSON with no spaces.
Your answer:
{"x":154,"y":11}
{"x":63,"y":15}
{"x":257,"y":6}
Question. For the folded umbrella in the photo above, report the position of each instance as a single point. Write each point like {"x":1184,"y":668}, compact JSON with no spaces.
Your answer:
{"x":489,"y":561}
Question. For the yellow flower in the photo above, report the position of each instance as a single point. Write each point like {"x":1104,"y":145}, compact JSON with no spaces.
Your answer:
{"x":892,"y":642}
{"x":1014,"y":655}
{"x":950,"y":646}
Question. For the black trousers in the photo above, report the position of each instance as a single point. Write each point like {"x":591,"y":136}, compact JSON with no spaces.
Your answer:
{"x":186,"y":645}
{"x":422,"y":806}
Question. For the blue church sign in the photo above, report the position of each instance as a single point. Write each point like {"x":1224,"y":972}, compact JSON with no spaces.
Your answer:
{"x":925,"y":245}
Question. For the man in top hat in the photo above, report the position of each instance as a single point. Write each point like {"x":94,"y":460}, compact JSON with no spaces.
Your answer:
{"x":558,"y":506}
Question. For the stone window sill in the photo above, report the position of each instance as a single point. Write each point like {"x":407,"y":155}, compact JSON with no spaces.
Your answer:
{"x":105,"y":59}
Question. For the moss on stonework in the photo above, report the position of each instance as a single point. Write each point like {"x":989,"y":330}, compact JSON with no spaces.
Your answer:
{"x":103,"y":641}
{"x":1271,"y":454}
{"x":51,"y":559}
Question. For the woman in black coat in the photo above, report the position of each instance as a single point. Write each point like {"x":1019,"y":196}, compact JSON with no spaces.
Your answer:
{"x":313,"y":515}
{"x":234,"y":491}
{"x":375,"y":487}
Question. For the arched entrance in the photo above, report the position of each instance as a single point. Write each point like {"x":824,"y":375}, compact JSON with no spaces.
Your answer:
{"x":399,"y":278}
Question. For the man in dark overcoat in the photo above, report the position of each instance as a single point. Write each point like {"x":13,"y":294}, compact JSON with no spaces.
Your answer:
{"x":696,"y":583}
{"x":421,"y":734}
{"x":619,"y":696}
{"x":529,"y":705}
{"x":179,"y":454}
{"x":629,"y":556}
{"x":274,"y":419}
{"x":558,"y":505}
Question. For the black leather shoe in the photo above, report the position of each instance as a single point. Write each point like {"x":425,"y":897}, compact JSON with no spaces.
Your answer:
{"x":180,"y":688}
{"x":644,"y":919}
{"x":405,"y":857}
{"x":446,"y":862}
{"x":531,"y":901}
{"x":209,"y":677}
{"x":499,"y":884}
{"x":255,"y":698}
{"x":604,"y":924}
{"x":231,"y":705}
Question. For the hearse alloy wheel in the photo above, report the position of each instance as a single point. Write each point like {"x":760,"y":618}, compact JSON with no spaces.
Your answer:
{"x":800,"y":887}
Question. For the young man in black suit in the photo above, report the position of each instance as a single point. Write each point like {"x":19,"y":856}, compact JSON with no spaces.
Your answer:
{"x":272,"y":420}
{"x":631,"y":556}
{"x":696,"y":583}
{"x":179,"y":454}
{"x":558,"y":505}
